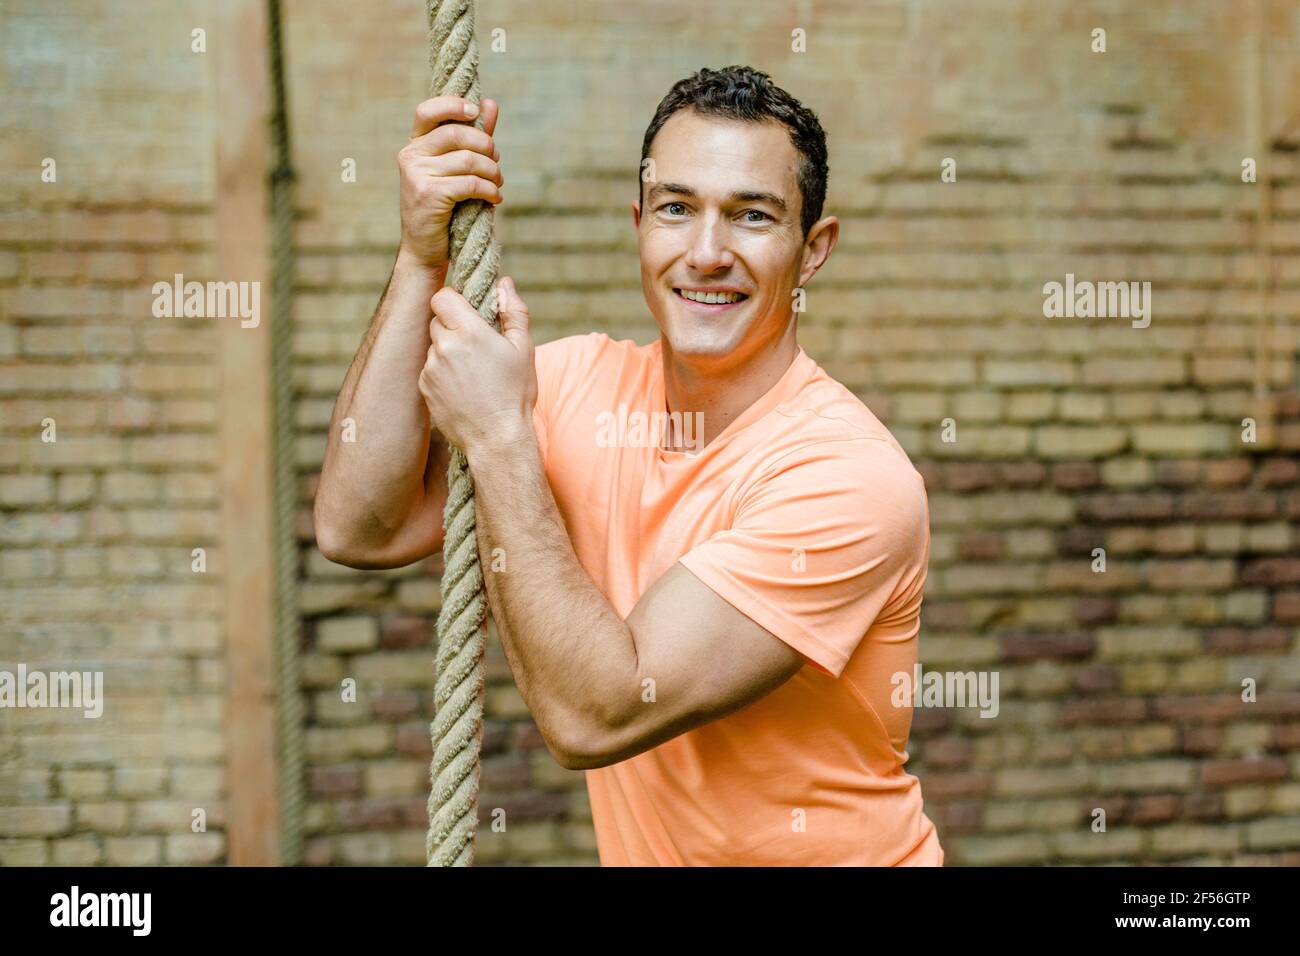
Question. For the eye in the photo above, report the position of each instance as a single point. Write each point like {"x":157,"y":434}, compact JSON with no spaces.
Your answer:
{"x":674,"y":208}
{"x":756,"y":212}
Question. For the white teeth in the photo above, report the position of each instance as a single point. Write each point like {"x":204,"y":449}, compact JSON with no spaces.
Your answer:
{"x":712,"y":298}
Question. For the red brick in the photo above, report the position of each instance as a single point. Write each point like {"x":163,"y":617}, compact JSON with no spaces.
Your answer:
{"x":527,"y":736}
{"x":1240,"y":640}
{"x":506,"y":771}
{"x":1155,"y":808}
{"x":1203,"y":806}
{"x":1115,"y":806}
{"x":406,"y":632}
{"x":1080,"y":540}
{"x":1200,"y":739}
{"x":1141,"y":506}
{"x":1051,"y":645}
{"x":1023,"y":474}
{"x":1219,"y":506}
{"x":941,"y":786}
{"x":1279,"y":472}
{"x":333,"y":781}
{"x":526,"y":805}
{"x":931,"y":472}
{"x":1179,"y":472}
{"x":412,"y":740}
{"x":944,"y":615}
{"x":1278,"y":703}
{"x":395,"y":704}
{"x":1104,"y":710}
{"x":1094,"y":609}
{"x":1287,"y":404}
{"x":1286,"y":607}
{"x":957,"y":816}
{"x":968,"y":476}
{"x":496,"y":736}
{"x":1286,"y":736}
{"x":1228,"y":471}
{"x":947,"y":752}
{"x":981,"y":545}
{"x":1223,"y":773}
{"x":1075,"y":475}
{"x":372,"y":813}
{"x":1291,"y":859}
{"x":1208,"y":709}
{"x":930,"y":720}
{"x":1270,"y":571}
{"x":1098,"y":677}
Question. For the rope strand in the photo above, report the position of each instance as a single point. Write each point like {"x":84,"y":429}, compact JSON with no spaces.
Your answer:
{"x":457,"y":727}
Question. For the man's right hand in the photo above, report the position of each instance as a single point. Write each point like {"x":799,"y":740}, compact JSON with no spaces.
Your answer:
{"x":446,"y":161}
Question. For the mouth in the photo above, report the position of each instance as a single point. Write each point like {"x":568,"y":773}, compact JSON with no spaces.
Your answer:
{"x":711,"y":300}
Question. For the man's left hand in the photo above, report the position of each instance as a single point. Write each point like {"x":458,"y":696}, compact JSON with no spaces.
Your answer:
{"x":480,"y":385}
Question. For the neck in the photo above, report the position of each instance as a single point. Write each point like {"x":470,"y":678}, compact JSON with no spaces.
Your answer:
{"x":723,"y":393}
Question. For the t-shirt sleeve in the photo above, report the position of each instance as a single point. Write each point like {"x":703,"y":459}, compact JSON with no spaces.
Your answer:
{"x":829,"y":541}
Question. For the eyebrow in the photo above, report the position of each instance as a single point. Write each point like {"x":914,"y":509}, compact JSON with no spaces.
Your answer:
{"x":740,"y":195}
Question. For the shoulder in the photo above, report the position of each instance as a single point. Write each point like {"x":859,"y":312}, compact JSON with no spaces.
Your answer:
{"x":848,"y":480}
{"x":584,"y":346}
{"x":590,"y":369}
{"x":829,"y":440}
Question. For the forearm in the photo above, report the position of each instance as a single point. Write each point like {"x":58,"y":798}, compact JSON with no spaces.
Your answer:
{"x":574,"y":659}
{"x":371,"y":482}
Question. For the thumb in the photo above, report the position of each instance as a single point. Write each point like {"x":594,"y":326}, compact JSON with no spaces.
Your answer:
{"x":512,"y":312}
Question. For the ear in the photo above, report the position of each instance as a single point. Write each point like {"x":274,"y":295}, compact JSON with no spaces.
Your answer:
{"x":822,"y":238}
{"x":636,"y":213}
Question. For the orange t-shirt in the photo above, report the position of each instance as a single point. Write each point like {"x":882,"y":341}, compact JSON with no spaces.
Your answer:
{"x":807,"y":516}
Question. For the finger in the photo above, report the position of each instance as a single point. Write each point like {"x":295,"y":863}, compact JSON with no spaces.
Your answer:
{"x":440,"y":109}
{"x":452,"y":311}
{"x":453,"y":136}
{"x":516,"y":324}
{"x":464,"y":162}
{"x":491,"y":109}
{"x":460,"y":188}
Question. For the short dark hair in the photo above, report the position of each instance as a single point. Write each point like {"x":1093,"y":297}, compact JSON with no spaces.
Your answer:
{"x":749,"y":95}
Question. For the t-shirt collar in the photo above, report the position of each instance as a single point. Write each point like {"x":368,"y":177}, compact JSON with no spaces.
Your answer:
{"x":785,"y":388}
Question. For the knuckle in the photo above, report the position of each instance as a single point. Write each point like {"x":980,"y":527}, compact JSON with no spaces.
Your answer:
{"x":459,"y":161}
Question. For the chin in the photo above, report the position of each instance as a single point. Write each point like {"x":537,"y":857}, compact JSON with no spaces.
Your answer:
{"x":702,"y":344}
{"x":702,"y":338}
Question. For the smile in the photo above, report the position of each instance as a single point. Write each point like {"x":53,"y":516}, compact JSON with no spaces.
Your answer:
{"x":713,"y":301}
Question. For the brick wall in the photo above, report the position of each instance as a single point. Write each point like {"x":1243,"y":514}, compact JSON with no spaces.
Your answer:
{"x":97,"y":527}
{"x":1120,"y":690}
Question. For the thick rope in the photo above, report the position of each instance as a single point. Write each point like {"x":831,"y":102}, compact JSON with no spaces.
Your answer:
{"x":457,"y":727}
{"x":288,"y":689}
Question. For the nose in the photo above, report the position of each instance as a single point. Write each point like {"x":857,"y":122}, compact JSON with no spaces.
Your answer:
{"x":709,"y":252}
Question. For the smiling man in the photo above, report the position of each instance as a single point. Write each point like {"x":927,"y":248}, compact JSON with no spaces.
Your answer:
{"x":705,"y":619}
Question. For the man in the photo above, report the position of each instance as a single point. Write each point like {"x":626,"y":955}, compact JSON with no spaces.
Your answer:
{"x":714,"y":554}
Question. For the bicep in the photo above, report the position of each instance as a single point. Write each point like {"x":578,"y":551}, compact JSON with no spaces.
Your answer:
{"x":698,"y":659}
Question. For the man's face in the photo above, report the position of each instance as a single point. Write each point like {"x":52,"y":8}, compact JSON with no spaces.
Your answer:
{"x":722,"y":215}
